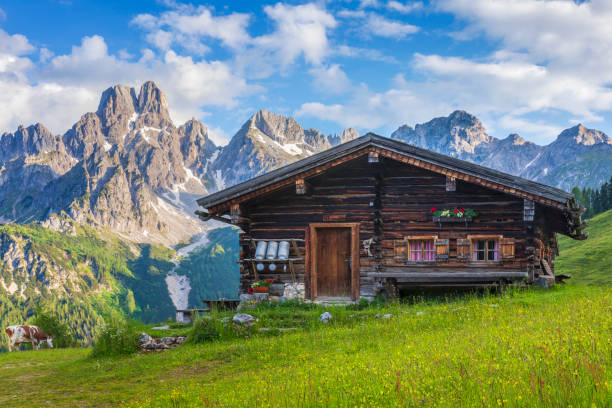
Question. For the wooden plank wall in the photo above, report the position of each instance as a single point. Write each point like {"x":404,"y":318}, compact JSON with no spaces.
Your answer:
{"x":390,"y":200}
{"x":408,"y":195}
{"x":342,"y":194}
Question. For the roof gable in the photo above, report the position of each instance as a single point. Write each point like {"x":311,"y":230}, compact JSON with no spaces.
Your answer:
{"x":396,"y":150}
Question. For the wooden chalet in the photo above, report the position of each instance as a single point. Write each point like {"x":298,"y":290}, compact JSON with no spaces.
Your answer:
{"x":359,"y":220}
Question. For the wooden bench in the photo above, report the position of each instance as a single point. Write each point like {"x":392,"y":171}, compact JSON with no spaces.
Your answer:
{"x":221,"y":304}
{"x":188,"y":315}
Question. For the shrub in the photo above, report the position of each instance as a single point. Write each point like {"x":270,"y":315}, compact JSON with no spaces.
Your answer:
{"x":205,"y":330}
{"x":51,"y":324}
{"x":115,"y":338}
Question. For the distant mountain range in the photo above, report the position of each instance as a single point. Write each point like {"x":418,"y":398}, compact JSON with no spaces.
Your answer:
{"x":128,"y":172}
{"x":578,"y":157}
{"x":129,"y":168}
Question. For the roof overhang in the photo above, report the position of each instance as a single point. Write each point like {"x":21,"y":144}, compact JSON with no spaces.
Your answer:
{"x":221,"y":201}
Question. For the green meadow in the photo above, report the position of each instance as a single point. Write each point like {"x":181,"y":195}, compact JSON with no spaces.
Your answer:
{"x":589,"y":261}
{"x":515,"y":349}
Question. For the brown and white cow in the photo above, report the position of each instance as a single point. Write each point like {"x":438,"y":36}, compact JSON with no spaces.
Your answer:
{"x":27,"y":334}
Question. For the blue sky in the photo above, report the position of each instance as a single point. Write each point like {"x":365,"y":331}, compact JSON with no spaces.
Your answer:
{"x":526,"y":66}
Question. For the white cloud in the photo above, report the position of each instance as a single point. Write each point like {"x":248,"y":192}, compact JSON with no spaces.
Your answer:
{"x":369,"y":3}
{"x":300,"y":30}
{"x":364,"y":53}
{"x":352,"y":13}
{"x":16,"y":44}
{"x":564,"y":35}
{"x":189,"y":26}
{"x":383,"y":27}
{"x":376,"y":24}
{"x":368,"y":110}
{"x":57,"y":93}
{"x":404,"y":8}
{"x":331,"y":79}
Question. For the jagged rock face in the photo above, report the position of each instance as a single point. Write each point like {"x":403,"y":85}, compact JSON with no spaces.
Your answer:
{"x":116,"y":110}
{"x":511,"y":155}
{"x":458,"y":135}
{"x":266,"y":141}
{"x":32,"y":140}
{"x":125,"y":166}
{"x":578,"y":157}
{"x":25,"y":270}
{"x":85,"y":137}
{"x":128,"y":167}
{"x":347,"y":135}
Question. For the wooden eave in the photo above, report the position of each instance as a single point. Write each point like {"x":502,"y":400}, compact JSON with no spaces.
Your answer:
{"x":220,"y":202}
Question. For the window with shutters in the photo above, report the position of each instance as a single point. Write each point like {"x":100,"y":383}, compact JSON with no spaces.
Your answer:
{"x":463,"y":249}
{"x":486,"y":248}
{"x":420,"y":249}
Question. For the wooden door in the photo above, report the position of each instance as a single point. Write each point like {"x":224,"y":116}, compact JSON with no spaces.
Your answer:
{"x":333,"y":262}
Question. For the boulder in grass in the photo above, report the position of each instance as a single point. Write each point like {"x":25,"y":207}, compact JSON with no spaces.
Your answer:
{"x":243,"y":319}
{"x":144,"y":338}
{"x":325,"y":317}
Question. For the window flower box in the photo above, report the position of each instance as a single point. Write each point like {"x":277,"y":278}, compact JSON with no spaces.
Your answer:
{"x":451,"y":219}
{"x":456,"y":215}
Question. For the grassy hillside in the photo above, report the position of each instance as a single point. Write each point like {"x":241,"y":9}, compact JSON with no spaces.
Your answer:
{"x":526,"y":348}
{"x":89,"y":275}
{"x":589,"y":261}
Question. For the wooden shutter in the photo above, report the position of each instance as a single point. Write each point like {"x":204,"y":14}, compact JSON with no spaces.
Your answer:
{"x":506,"y":246}
{"x":441,"y":249}
{"x":401,"y":251}
{"x":463,"y":249}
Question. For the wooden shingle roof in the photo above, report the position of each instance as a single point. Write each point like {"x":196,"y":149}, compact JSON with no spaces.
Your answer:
{"x":401,"y":151}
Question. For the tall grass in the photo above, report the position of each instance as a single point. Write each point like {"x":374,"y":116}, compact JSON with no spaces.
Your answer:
{"x":115,"y":338}
{"x":537,"y":349}
{"x":518,"y":349}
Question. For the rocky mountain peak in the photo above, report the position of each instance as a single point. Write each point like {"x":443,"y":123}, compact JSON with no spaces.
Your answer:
{"x":583,"y":136}
{"x":464,"y":119}
{"x":30,"y":140}
{"x":277,"y":127}
{"x":118,"y":105}
{"x":151,"y":99}
{"x":458,"y":134}
{"x":347,"y":135}
{"x":515,"y":139}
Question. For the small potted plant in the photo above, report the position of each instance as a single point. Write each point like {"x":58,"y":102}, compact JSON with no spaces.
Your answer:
{"x":262,"y":286}
{"x":453,"y":215}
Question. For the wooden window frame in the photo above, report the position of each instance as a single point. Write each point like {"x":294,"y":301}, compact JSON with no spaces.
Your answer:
{"x":311,"y":262}
{"x":421,"y":238}
{"x":497,"y":238}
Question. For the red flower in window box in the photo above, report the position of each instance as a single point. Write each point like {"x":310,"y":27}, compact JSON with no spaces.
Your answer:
{"x":250,"y":290}
{"x":433,"y":209}
{"x":455,"y":211}
{"x":462,"y":209}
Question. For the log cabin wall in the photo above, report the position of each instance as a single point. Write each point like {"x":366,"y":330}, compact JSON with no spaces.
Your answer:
{"x":341,"y":194}
{"x":390,"y":200}
{"x":409,"y":193}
